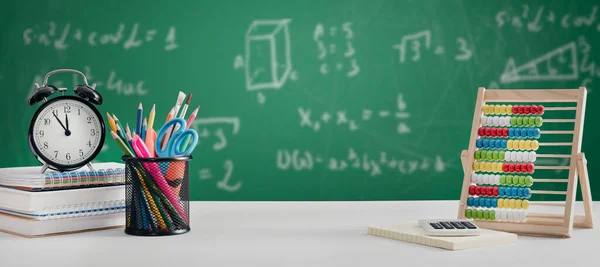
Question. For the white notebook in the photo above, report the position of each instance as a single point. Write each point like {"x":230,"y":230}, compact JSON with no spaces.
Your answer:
{"x":63,"y":203}
{"x":31,"y":178}
{"x":34,"y":228}
{"x":411,"y":232}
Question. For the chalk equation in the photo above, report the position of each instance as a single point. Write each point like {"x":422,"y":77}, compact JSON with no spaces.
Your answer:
{"x":538,"y":18}
{"x":568,"y":62}
{"x":373,"y":165}
{"x":335,"y":48}
{"x":223,"y":175}
{"x":215,"y":131}
{"x":63,"y":37}
{"x":267,"y":61}
{"x":413,"y":46}
{"x":342,"y":119}
{"x":112,"y":83}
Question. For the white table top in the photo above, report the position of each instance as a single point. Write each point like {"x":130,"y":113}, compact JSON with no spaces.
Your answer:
{"x":293,"y":234}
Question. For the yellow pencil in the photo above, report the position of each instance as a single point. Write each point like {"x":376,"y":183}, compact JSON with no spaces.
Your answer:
{"x":151,"y":117}
{"x":111,"y":122}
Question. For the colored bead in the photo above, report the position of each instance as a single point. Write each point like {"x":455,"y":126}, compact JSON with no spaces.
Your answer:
{"x":513,"y":121}
{"x":479,"y":143}
{"x":497,"y":109}
{"x":495,"y":191}
{"x":514,"y":191}
{"x":517,"y":168}
{"x":534,"y":109}
{"x":488,"y":155}
{"x":472,"y":190}
{"x":492,"y":215}
{"x":476,"y":166}
{"x":538,"y":121}
{"x":497,"y":179}
{"x":500,"y":203}
{"x":520,"y":192}
{"x":511,"y":132}
{"x":528,"y":144}
{"x":491,"y":132}
{"x":522,"y":216}
{"x":511,"y":203}
{"x":521,"y":109}
{"x":511,"y":167}
{"x":510,"y":215}
{"x":478,"y":190}
{"x":490,"y":121}
{"x":495,"y":121}
{"x":502,"y":155}
{"x":486,"y":143}
{"x":532,"y":121}
{"x":509,"y":179}
{"x":517,"y":132}
{"x":506,"y":193}
{"x":504,"y":132}
{"x":527,"y":109}
{"x":468,"y":214}
{"x":528,"y":181}
{"x":489,"y":167}
{"x":494,"y":203}
{"x":540,"y":109}
{"x":477,"y":154}
{"x":470,"y":202}
{"x":525,"y":123}
{"x":486,"y":214}
{"x":522,"y":144}
{"x":519,"y":121}
{"x":509,"y":144}
{"x":501,"y":191}
{"x":489,"y":191}
{"x":499,"y":167}
{"x":518,"y":204}
{"x":521,"y":180}
{"x":523,"y":133}
{"x":505,"y":167}
{"x":535,"y":145}
{"x":525,"y":204}
{"x":503,"y":179}
{"x":530,"y":168}
{"x":482,"y":131}
{"x":503,"y":144}
{"x":529,"y":132}
{"x":515,"y":109}
{"x":498,"y":144}
{"x":509,"y":109}
{"x":475,"y":202}
{"x":479,"y":214}
{"x":488,"y":202}
{"x":519,"y":156}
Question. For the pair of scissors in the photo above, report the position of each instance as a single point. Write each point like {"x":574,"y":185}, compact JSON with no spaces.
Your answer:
{"x":174,"y":143}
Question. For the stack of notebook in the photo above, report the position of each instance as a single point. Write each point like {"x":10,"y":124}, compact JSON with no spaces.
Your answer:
{"x":35,"y":204}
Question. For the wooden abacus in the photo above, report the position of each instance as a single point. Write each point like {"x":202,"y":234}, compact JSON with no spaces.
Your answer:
{"x":494,"y":215}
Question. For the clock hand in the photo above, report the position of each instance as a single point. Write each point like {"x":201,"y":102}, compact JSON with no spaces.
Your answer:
{"x":61,"y":124}
{"x":67,"y":131}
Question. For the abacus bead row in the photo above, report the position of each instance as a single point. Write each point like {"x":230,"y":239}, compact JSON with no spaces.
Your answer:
{"x":512,"y":203}
{"x":516,"y":109}
{"x":499,"y":155}
{"x":507,"y":144}
{"x":484,"y":202}
{"x":496,"y":179}
{"x":511,"y":121}
{"x":498,"y":167}
{"x":509,"y":191}
{"x":522,"y":132}
{"x":497,"y":215}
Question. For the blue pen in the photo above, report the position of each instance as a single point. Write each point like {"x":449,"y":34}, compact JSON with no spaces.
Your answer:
{"x":138,"y":126}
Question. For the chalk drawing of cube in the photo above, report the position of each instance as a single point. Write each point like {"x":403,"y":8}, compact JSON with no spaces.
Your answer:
{"x":268,"y":57}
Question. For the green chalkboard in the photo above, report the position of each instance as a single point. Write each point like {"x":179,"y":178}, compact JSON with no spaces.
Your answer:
{"x":303,"y":100}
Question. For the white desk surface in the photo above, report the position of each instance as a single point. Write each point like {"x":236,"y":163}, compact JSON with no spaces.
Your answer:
{"x":294,"y":234}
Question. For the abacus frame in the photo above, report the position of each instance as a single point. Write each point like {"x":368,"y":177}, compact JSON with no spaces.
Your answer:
{"x":540,"y":224}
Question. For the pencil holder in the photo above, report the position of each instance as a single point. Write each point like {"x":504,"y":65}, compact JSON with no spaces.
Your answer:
{"x":157,"y":196}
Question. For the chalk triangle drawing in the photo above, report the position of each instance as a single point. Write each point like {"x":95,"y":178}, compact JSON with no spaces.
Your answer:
{"x":541,"y":68}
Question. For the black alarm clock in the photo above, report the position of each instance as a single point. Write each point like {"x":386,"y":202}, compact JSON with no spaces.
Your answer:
{"x":67,"y":131}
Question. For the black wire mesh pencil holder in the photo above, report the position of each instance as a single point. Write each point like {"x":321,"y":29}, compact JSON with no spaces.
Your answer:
{"x":157,"y":196}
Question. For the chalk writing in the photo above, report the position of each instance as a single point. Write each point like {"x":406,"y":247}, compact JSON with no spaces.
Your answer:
{"x":304,"y":160}
{"x":217,"y":134}
{"x":342,"y":119}
{"x":565,"y":63}
{"x":267,"y":62}
{"x":538,"y":18}
{"x":414,"y":45}
{"x":112,"y":83}
{"x":328,"y":40}
{"x":127,"y":36}
{"x":224,"y":183}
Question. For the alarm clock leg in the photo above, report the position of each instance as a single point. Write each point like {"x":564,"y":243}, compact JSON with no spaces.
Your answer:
{"x":89,"y":165}
{"x":45,"y":167}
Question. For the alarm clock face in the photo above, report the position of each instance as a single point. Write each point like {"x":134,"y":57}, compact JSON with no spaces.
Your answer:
{"x":67,"y":132}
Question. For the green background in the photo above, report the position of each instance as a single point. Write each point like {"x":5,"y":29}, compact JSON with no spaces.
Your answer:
{"x":438,"y":90}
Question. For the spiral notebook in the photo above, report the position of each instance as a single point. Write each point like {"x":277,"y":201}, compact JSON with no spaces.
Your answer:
{"x":31,"y":178}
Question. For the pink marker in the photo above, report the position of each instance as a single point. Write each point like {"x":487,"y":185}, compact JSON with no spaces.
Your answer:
{"x":142,"y":151}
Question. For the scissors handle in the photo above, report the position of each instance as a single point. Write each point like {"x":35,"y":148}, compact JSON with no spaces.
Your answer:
{"x":168,"y":151}
{"x":181,"y":137}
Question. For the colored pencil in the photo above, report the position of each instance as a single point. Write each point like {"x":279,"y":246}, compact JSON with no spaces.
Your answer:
{"x":169,"y":117}
{"x":178,"y":103}
{"x":122,"y":145}
{"x":111,"y":122}
{"x":189,"y":123}
{"x":138,"y":125}
{"x":151,"y":117}
{"x":144,"y":127}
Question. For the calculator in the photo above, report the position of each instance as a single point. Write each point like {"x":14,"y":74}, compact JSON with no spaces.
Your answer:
{"x":449,"y":227}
